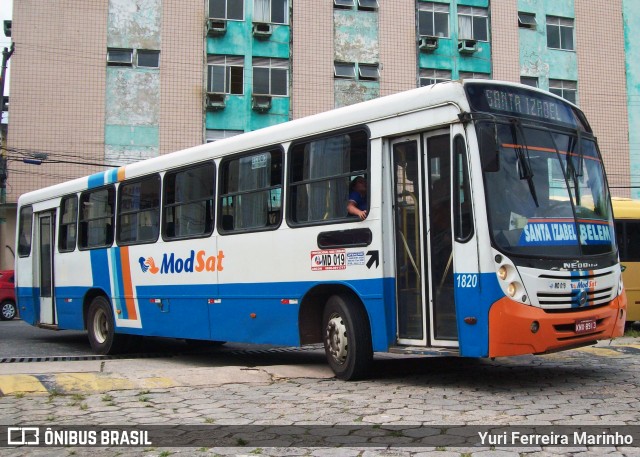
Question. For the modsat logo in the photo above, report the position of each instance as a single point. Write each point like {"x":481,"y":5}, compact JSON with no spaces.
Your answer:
{"x":195,"y":262}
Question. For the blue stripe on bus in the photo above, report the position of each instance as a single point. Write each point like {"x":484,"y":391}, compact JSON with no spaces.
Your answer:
{"x":189,"y":311}
{"x":100,"y":270}
{"x":118,"y":286}
{"x":476,"y":302}
{"x":96,"y":180}
{"x":111,"y":176}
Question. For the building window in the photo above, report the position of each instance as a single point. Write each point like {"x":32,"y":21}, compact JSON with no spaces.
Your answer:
{"x":119,"y":56}
{"x":272,"y":11}
{"x":215,"y":135}
{"x":368,"y":71}
{"x":433,"y":19}
{"x":347,"y":4}
{"x":529,"y":81}
{"x":270,"y":76}
{"x":473,"y":23}
{"x":368,"y":5}
{"x":139,"y":211}
{"x":474,"y":75}
{"x":565,"y":89}
{"x":560,"y":33}
{"x":527,"y":20}
{"x":430,"y":76}
{"x":148,"y":59}
{"x":225,"y":75}
{"x":226,"y":9}
{"x":251,"y":192}
{"x":344,"y":70}
{"x":143,"y":58}
{"x":188,"y":202}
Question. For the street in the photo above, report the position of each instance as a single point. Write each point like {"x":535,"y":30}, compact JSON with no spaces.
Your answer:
{"x":246,"y":392}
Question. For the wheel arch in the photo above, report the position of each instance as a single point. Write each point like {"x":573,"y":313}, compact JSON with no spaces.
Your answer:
{"x":88,"y":298}
{"x":312,"y":307}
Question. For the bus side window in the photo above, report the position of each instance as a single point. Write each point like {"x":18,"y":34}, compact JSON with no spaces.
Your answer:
{"x":463,"y":216}
{"x":320,"y":173}
{"x":96,"y":218}
{"x":68,"y":224}
{"x":24,"y":230}
{"x":633,"y":241}
{"x":139,"y":211}
{"x":188,"y":201}
{"x":251,"y":192}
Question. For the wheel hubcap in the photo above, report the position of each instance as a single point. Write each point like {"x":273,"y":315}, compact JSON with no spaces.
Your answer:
{"x":336,"y":339}
{"x":101,"y":326}
{"x":8,"y":310}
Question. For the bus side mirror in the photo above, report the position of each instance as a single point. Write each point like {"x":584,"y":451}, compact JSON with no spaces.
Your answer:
{"x":489,"y":150}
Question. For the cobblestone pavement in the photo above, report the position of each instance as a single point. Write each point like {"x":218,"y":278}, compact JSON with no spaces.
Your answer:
{"x":252,"y":406}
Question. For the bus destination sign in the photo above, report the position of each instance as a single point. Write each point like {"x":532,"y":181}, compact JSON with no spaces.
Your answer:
{"x":500,"y":99}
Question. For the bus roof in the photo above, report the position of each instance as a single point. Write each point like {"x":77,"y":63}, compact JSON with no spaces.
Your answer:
{"x":340,"y":118}
{"x":625,"y":208}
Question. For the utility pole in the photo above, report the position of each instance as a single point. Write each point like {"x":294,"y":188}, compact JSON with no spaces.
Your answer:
{"x":6,"y":55}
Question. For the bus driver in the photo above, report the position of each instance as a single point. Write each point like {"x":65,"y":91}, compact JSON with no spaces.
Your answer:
{"x":357,"y":204}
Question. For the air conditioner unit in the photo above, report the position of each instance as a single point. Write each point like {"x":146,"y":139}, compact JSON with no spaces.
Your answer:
{"x":215,"y":101}
{"x":467,"y":46}
{"x":261,"y":30}
{"x":216,"y":27}
{"x":261,"y":103}
{"x":428,"y":43}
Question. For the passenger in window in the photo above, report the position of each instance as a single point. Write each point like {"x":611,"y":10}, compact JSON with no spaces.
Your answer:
{"x":357,"y":204}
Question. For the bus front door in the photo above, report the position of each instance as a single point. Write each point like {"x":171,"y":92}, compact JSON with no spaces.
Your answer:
{"x":44,"y":266}
{"x":423,"y":237}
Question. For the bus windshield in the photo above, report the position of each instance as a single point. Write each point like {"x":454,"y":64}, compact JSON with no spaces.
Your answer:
{"x":544,"y":188}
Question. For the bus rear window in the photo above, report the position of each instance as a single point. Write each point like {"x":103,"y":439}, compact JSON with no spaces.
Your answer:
{"x":320,"y":175}
{"x":24,"y":229}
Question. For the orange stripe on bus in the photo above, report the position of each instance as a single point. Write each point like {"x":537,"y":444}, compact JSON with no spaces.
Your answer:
{"x":126,"y":281}
{"x":121,"y":174}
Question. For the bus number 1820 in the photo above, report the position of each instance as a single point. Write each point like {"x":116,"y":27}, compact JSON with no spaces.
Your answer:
{"x":467,"y":280}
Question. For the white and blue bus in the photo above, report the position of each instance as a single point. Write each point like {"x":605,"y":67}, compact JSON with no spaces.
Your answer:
{"x":488,"y":232}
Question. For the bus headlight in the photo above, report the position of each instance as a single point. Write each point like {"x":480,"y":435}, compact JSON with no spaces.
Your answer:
{"x":512,"y":288}
{"x":502,"y":273}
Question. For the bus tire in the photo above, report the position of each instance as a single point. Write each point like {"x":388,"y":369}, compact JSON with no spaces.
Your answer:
{"x":347,"y":338}
{"x":101,"y":329}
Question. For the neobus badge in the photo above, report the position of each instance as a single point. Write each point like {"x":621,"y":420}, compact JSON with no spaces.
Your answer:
{"x":194,"y":262}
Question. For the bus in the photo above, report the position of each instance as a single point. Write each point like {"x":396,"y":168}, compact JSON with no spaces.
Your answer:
{"x":626,"y":213}
{"x":488,"y":232}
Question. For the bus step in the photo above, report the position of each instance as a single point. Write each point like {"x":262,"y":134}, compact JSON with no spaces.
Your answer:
{"x":416,"y":350}
{"x":48,"y":326}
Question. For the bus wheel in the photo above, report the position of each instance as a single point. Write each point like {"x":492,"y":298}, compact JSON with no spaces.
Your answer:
{"x":347,"y":338}
{"x":101,"y":328}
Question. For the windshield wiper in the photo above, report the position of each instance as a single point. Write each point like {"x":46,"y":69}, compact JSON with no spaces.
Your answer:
{"x":524,"y":161}
{"x":575,"y":173}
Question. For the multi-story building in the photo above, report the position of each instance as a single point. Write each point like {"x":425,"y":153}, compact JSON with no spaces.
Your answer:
{"x":107,"y":82}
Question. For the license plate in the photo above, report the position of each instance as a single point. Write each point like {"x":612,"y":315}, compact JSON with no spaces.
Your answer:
{"x":585,"y":325}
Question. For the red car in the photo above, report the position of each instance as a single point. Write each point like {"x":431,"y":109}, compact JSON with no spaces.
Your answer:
{"x":8,"y":308}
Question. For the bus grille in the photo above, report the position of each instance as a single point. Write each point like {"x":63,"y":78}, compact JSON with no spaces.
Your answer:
{"x":599,"y":295}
